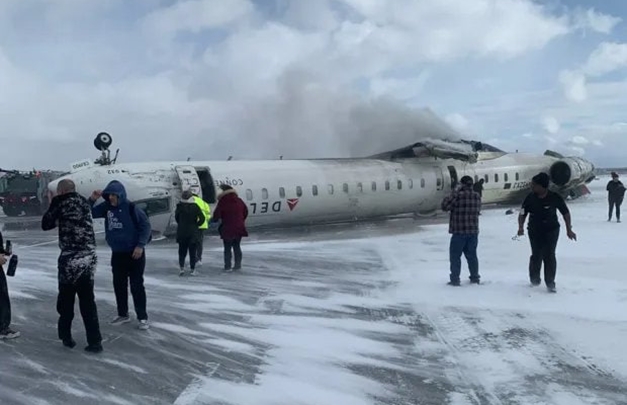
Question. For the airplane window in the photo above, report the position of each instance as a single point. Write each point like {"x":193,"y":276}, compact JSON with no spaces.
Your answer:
{"x":314,"y":190}
{"x":249,"y":194}
{"x":496,"y":177}
{"x":154,"y":206}
{"x":387,"y":185}
{"x":517,"y":177}
{"x":345,"y":187}
{"x":360,"y":187}
{"x":486,"y":178}
{"x":299,"y":191}
{"x":399,"y":184}
{"x":505,"y":177}
{"x":476,"y":179}
{"x":411,"y":183}
{"x":282,"y":192}
{"x":439,"y":182}
{"x":374,"y":186}
{"x":330,"y":187}
{"x":422,"y":183}
{"x":264,"y":193}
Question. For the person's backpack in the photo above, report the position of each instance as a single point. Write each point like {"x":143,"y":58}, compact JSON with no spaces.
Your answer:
{"x":131,"y":207}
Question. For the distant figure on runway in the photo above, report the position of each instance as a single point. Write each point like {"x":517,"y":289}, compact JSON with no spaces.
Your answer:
{"x":189,"y":217}
{"x":478,"y":187}
{"x":544,"y":228}
{"x":232,"y":212}
{"x":615,"y":194}
{"x":5,"y":303}
{"x":127,"y":231}
{"x":464,"y":205}
{"x":71,"y":213}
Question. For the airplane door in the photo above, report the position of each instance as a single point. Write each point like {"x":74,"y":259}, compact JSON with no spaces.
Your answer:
{"x":189,"y":179}
{"x":439,"y":178}
{"x":453,"y":172}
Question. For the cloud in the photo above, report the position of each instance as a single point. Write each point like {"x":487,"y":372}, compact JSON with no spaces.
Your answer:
{"x":208,"y":78}
{"x":596,"y":21}
{"x":607,"y":57}
{"x":195,"y":16}
{"x":551,"y":125}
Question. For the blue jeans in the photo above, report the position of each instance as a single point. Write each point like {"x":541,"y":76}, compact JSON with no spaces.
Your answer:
{"x":466,"y":244}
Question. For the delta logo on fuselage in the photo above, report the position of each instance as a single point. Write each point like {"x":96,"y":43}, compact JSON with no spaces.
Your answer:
{"x":272,"y":206}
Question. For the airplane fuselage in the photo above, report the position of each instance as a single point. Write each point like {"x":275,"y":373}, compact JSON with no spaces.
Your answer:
{"x":304,"y":192}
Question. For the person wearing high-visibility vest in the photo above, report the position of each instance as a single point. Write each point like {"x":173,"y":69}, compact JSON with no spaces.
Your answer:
{"x":206,"y":210}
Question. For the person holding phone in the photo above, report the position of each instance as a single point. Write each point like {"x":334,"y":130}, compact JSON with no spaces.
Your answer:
{"x":5,"y":303}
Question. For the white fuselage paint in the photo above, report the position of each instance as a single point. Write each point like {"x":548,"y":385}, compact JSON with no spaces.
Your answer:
{"x":344,"y":186}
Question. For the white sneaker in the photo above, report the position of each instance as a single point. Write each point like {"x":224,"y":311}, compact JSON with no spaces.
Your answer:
{"x":199,"y":263}
{"x":182,"y":272}
{"x":9,"y":334}
{"x":193,"y":272}
{"x":119,"y":320}
{"x":143,"y":324}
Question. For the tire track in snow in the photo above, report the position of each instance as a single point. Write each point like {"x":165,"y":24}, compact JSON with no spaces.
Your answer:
{"x":506,"y":359}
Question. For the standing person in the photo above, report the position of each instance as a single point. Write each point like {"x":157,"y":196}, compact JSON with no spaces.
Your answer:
{"x":76,"y":264}
{"x":615,"y":194}
{"x":189,"y":217}
{"x":478,"y":187}
{"x":202,"y":229}
{"x":232,"y":212}
{"x":5,"y":302}
{"x":464,"y":205}
{"x":127,"y":231}
{"x":542,"y":205}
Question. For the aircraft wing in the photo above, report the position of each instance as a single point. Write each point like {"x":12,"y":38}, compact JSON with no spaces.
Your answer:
{"x":460,"y":150}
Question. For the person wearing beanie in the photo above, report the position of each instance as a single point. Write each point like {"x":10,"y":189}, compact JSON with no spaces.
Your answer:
{"x":541,"y":205}
{"x":464,"y":205}
{"x":615,"y":194}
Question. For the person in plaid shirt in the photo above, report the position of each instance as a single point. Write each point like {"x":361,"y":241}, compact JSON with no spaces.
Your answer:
{"x":464,"y":205}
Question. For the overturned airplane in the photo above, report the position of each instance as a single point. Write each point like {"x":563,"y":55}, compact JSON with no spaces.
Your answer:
{"x":410,"y":180}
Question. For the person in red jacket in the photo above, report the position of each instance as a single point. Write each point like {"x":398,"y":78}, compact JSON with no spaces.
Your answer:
{"x":232,"y":212}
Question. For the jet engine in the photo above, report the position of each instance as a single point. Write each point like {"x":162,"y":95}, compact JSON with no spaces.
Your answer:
{"x":571,"y":171}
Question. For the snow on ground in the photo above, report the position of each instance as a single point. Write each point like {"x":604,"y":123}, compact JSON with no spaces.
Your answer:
{"x":368,"y":320}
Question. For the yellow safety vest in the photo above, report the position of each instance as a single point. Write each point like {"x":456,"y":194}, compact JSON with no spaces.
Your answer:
{"x":206,"y":210}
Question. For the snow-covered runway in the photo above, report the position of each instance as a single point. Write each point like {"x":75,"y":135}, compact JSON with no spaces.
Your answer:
{"x":344,"y":319}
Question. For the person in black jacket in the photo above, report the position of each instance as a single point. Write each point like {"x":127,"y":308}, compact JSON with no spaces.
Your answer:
{"x":5,"y":303}
{"x":541,"y":205}
{"x":615,"y":193}
{"x":189,"y":217}
{"x":71,"y":213}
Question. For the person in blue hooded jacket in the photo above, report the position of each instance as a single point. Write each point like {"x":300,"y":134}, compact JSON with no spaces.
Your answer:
{"x":127,"y":231}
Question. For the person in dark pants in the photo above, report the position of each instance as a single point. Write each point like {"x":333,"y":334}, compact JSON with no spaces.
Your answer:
{"x":189,"y":217}
{"x":127,"y":231}
{"x":232,"y":212}
{"x":464,"y":205}
{"x":615,"y":194}
{"x":76,"y":264}
{"x":542,"y":205}
{"x":5,"y":302}
{"x":202,"y":229}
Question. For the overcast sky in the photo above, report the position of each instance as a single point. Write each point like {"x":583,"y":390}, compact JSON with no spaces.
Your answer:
{"x":261,"y":78}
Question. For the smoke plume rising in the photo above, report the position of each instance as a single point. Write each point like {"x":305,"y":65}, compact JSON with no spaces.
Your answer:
{"x":307,"y":119}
